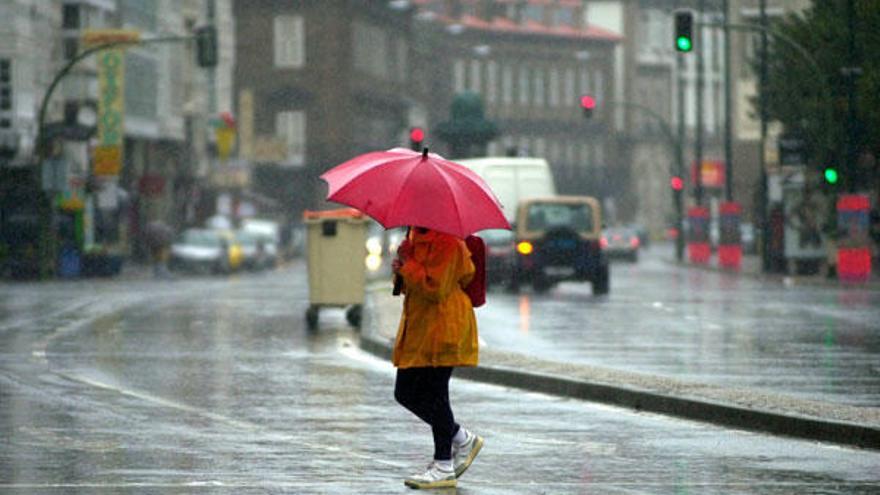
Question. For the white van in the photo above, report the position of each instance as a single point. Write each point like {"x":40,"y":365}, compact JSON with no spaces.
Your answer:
{"x":514,"y":179}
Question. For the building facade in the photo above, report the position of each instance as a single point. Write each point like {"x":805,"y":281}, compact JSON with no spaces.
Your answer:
{"x":165,"y":130}
{"x":531,"y":62}
{"x":317,"y":82}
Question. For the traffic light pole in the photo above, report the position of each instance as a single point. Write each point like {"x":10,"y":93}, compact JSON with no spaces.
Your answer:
{"x":728,"y":104}
{"x":47,"y":215}
{"x":679,"y":195}
{"x":698,"y":138}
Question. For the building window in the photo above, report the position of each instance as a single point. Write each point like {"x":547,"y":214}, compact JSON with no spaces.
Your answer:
{"x":289,"y":42}
{"x":290,"y":127}
{"x":507,"y":84}
{"x":524,"y":85}
{"x":539,"y":87}
{"x":554,"y":87}
{"x":5,"y":85}
{"x":564,"y":16}
{"x":534,"y":13}
{"x":71,"y":47}
{"x":370,"y":51}
{"x":492,"y":81}
{"x":70,"y":16}
{"x":458,"y":75}
{"x":402,"y":60}
{"x":540,"y":147}
{"x":140,"y":13}
{"x":585,"y":82}
{"x":570,"y":98}
{"x":599,"y":85}
{"x":476,"y":73}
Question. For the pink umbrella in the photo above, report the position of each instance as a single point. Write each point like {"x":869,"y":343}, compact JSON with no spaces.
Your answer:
{"x":400,"y":187}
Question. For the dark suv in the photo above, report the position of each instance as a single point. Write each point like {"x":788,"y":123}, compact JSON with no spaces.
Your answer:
{"x":558,"y":239}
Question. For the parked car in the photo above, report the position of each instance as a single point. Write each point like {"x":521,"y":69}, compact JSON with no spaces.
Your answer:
{"x":749,"y":243}
{"x":558,"y":238}
{"x":200,"y":250}
{"x":253,"y":250}
{"x":234,"y":250}
{"x":500,"y":255}
{"x":621,"y":242}
{"x":268,"y":232}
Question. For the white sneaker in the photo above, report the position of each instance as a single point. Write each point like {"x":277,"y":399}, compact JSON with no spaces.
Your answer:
{"x":434,"y":477}
{"x":463,"y":456}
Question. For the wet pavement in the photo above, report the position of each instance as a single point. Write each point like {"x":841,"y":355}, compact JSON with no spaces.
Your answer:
{"x":214,"y":386}
{"x":818,"y":342}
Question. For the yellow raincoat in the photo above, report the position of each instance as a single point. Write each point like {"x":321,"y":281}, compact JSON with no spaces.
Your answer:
{"x":438,"y":326}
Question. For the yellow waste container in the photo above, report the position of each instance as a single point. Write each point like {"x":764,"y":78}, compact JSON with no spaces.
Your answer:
{"x":336,"y":246}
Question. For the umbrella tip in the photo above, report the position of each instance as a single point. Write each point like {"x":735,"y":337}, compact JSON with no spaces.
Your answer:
{"x":424,"y":152}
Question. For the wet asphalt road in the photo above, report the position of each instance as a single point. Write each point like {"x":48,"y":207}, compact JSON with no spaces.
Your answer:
{"x":816,"y":342}
{"x":213,"y":386}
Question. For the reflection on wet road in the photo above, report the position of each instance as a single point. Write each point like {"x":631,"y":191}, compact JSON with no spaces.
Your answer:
{"x":814,"y":342}
{"x":214,"y":386}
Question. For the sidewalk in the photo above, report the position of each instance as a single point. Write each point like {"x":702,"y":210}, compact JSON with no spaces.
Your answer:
{"x":733,"y":407}
{"x":751,"y":266}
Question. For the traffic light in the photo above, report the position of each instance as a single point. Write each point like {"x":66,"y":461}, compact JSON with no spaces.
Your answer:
{"x":676,"y":183}
{"x":684,"y":23}
{"x":416,"y":138}
{"x":588,"y":104}
{"x":206,"y":46}
{"x":831,"y":175}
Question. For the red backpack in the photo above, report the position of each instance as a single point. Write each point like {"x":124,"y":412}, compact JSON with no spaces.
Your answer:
{"x":476,"y":289}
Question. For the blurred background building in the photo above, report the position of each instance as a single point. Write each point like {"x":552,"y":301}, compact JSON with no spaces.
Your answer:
{"x":303,"y":86}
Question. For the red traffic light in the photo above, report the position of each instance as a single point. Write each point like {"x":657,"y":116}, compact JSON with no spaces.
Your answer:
{"x":588,"y":102}
{"x":677,"y":183}
{"x":416,"y":135}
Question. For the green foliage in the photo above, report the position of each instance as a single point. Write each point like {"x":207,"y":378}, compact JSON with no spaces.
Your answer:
{"x":816,"y":105}
{"x":467,"y":127}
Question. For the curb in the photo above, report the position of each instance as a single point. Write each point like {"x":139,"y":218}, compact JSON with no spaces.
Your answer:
{"x":802,"y":280}
{"x":643,"y":400}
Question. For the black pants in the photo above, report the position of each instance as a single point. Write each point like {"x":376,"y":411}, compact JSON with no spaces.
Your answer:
{"x":425,"y":392}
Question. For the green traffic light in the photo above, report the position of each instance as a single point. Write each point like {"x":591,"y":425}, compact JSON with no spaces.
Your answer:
{"x":684,"y":44}
{"x":831,"y":175}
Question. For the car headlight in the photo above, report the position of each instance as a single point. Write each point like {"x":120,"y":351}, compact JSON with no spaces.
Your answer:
{"x":374,"y":246}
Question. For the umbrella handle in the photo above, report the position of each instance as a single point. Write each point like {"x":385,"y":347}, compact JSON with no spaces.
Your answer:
{"x":398,"y":285}
{"x":398,"y":280}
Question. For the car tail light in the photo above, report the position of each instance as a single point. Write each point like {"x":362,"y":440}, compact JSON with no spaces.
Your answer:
{"x":603,"y":242}
{"x":525,"y":248}
{"x":634,"y":242}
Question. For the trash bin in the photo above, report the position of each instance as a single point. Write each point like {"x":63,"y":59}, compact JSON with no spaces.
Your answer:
{"x":336,"y":246}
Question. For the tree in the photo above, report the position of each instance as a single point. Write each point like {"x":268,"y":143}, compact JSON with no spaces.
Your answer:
{"x":467,"y":127}
{"x":798,"y":96}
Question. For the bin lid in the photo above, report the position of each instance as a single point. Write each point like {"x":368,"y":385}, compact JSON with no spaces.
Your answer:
{"x":337,"y":213}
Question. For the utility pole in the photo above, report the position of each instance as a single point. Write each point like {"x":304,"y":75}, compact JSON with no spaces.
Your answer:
{"x":698,"y":141}
{"x":852,"y":176}
{"x":762,"y":161}
{"x":728,"y":104}
{"x":679,"y":200}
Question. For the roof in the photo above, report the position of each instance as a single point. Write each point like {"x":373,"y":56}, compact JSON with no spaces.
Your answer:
{"x":504,"y":25}
{"x":531,"y":28}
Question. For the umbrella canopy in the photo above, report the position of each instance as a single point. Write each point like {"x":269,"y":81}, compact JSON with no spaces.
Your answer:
{"x":400,"y":187}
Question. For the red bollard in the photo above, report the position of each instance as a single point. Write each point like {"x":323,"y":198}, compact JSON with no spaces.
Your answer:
{"x":730,"y":246}
{"x":699,"y":250}
{"x":853,"y":247}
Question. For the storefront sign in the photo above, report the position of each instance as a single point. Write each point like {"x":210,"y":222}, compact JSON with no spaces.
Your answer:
{"x":111,"y":112}
{"x":712,"y":173}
